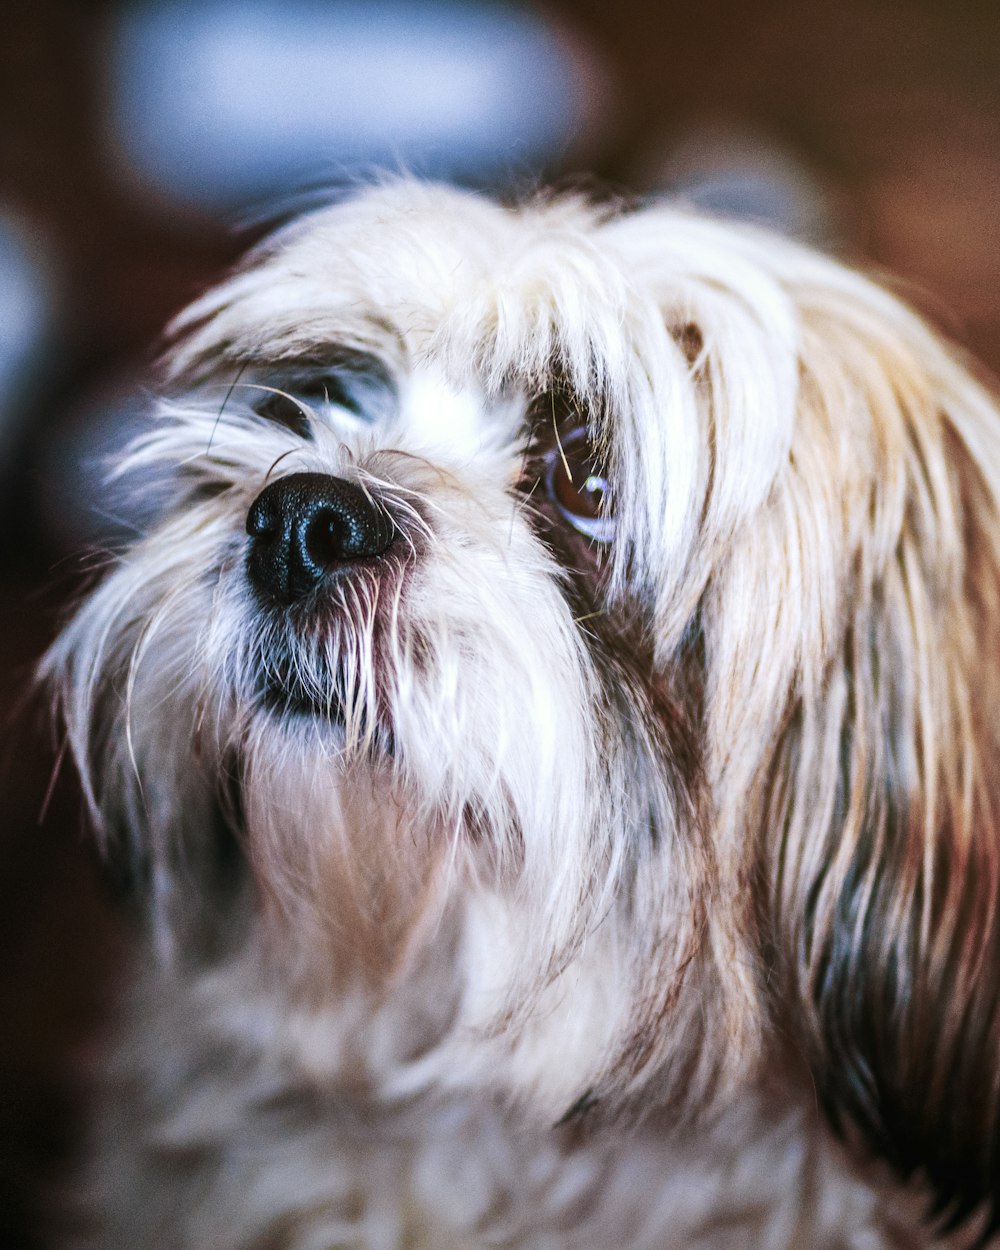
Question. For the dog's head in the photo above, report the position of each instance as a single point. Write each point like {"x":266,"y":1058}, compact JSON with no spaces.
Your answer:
{"x":594,"y":620}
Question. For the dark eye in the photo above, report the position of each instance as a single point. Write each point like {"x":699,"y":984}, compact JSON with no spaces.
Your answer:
{"x":284,"y":408}
{"x":578,"y":487}
{"x":352,"y":385}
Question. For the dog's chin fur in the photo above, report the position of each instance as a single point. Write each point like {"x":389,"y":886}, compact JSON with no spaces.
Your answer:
{"x":543,"y":882}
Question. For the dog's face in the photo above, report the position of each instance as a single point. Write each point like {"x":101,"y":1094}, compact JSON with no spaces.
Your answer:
{"x":572,"y":615}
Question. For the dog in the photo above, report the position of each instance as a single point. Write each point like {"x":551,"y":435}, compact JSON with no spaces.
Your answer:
{"x":551,"y":736}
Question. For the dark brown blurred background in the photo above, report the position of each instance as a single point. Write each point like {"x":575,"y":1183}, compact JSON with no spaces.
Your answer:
{"x":878,"y":122}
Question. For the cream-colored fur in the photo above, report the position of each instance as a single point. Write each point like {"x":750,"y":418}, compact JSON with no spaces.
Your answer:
{"x":588,"y":877}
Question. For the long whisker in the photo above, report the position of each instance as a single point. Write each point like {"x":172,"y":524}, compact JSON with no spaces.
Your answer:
{"x":222,"y":409}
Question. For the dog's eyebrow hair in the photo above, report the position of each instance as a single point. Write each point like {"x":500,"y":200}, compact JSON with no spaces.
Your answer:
{"x":333,"y":359}
{"x":319,"y":357}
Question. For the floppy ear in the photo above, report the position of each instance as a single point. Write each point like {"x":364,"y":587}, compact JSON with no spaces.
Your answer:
{"x":881,"y":810}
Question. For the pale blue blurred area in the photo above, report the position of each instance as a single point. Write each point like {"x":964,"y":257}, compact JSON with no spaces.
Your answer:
{"x":228,"y":103}
{"x":743,"y":173}
{"x":26,"y":323}
{"x":80,"y":502}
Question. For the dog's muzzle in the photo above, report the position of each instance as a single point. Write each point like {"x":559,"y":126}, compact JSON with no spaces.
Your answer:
{"x":307,"y":526}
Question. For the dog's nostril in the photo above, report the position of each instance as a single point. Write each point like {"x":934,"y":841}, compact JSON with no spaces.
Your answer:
{"x":306,"y":524}
{"x":261,"y":521}
{"x":330,"y":537}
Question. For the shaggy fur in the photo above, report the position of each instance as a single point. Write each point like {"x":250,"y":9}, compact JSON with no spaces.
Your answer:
{"x":612,"y":862}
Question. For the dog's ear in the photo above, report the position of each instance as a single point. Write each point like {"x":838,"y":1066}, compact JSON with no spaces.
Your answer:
{"x":880,"y":818}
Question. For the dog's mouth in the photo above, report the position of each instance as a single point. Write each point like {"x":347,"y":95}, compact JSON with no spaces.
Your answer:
{"x":284,"y":692}
{"x":295,"y":700}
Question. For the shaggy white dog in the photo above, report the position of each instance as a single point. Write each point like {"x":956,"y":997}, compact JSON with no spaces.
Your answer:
{"x":553,"y":735}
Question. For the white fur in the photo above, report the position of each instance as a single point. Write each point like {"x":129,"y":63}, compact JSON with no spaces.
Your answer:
{"x":448,"y":944}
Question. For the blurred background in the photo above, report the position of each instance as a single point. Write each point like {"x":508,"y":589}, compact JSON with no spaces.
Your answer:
{"x":145,"y":145}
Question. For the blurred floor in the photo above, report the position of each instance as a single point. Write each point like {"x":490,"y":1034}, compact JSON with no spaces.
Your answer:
{"x":893,"y":108}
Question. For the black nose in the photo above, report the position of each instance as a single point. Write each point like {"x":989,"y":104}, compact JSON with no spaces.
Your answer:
{"x":306,"y":524}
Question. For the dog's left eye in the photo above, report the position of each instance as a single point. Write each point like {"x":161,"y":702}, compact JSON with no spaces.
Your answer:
{"x":578,"y":487}
{"x":356,"y":386}
{"x":290,"y":402}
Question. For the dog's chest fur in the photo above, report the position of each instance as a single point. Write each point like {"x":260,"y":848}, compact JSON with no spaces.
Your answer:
{"x":265,"y":1148}
{"x":261,"y":1154}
